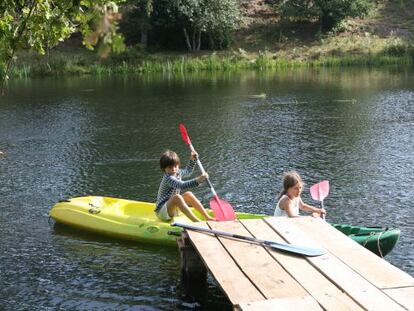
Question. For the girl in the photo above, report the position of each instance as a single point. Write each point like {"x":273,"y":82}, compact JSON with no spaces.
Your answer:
{"x":290,"y":201}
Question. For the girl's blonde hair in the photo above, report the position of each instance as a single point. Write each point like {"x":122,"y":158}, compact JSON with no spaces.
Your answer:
{"x":290,"y":179}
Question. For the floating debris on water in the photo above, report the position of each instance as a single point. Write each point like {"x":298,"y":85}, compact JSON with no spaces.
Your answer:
{"x":352,"y":101}
{"x":262,"y":95}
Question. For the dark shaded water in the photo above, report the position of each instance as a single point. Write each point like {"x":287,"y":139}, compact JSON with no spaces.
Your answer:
{"x":77,"y":136}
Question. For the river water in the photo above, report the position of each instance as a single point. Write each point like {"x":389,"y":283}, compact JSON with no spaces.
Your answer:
{"x":69,"y":137}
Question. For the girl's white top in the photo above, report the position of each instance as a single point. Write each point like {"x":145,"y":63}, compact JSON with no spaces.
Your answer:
{"x":282,"y":212}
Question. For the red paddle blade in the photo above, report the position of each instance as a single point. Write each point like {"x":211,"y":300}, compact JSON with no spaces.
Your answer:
{"x":184,"y":134}
{"x":320,"y":190}
{"x":223,"y":211}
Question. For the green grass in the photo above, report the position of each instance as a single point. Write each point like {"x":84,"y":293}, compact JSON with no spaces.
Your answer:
{"x":61,"y":64}
{"x":385,"y":38}
{"x":374,"y":61}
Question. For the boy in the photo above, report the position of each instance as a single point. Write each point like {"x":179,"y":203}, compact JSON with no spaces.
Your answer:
{"x":169,"y":198}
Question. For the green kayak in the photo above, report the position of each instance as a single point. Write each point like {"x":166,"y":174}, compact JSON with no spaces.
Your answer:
{"x":379,"y":240}
{"x":137,"y":221}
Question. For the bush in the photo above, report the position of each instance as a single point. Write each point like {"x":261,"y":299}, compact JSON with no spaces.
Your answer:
{"x":329,"y":13}
{"x":185,"y":23}
{"x":133,"y":55}
{"x":396,"y":47}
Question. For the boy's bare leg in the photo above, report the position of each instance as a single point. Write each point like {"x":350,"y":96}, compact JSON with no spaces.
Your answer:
{"x":191,"y":199}
{"x":178,"y":201}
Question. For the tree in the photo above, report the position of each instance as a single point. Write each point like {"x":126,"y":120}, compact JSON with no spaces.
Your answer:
{"x":212,"y":17}
{"x":146,"y":8}
{"x":41,"y":24}
{"x":136,"y":21}
{"x":328,"y":12}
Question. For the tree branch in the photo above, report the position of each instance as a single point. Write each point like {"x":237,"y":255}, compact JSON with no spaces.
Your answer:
{"x":14,"y":45}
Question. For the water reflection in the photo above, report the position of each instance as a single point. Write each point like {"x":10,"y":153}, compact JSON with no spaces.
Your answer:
{"x":79,"y":136}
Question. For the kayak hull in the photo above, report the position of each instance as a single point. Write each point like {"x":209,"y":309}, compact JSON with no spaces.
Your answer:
{"x":121,"y":218}
{"x":378,"y":240}
{"x":137,"y":221}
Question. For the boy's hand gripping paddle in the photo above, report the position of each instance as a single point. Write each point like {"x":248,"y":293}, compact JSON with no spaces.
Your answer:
{"x":320,"y":191}
{"x":222,"y":209}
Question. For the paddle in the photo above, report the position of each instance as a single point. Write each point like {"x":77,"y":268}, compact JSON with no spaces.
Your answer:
{"x":295,"y":249}
{"x":320,"y":191}
{"x":222,"y":209}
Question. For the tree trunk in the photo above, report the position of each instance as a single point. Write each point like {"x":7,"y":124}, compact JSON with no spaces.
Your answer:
{"x":144,"y":26}
{"x":187,"y":40}
{"x":144,"y":37}
{"x":212,"y":44}
{"x":199,"y":40}
{"x":20,"y":31}
{"x":194,"y":41}
{"x":327,"y":21}
{"x":282,"y":24}
{"x":320,"y":24}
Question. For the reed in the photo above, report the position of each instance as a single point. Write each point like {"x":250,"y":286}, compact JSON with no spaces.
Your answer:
{"x":23,"y":71}
{"x":81,"y":64}
{"x":369,"y":61}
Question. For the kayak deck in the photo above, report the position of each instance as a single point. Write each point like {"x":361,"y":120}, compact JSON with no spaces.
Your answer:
{"x":121,"y":218}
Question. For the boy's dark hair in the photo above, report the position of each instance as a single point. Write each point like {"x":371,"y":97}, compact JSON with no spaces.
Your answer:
{"x":169,"y":158}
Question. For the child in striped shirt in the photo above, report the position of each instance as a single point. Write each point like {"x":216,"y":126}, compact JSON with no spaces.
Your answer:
{"x":169,"y":198}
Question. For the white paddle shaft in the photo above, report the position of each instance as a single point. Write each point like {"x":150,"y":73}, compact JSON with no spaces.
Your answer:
{"x":203,"y":172}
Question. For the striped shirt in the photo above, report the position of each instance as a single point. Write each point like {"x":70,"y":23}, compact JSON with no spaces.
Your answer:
{"x":172,"y":184}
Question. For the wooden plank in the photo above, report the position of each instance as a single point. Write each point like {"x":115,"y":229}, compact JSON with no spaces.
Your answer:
{"x":355,"y":285}
{"x":404,"y":296}
{"x":329,"y":296}
{"x":305,"y":303}
{"x":258,"y":265}
{"x":360,"y":259}
{"x":230,"y":278}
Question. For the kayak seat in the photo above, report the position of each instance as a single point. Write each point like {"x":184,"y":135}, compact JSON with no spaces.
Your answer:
{"x":137,"y":210}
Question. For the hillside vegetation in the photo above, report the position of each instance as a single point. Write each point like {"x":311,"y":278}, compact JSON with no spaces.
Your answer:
{"x":263,"y":41}
{"x":389,"y":28}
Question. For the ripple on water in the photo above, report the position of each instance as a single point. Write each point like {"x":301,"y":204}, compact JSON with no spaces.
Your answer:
{"x":61,"y":142}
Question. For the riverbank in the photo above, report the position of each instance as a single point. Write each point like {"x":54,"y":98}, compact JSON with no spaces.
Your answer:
{"x":384,"y":38}
{"x":81,"y":63}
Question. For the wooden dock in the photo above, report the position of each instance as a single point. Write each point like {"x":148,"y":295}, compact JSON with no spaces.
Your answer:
{"x":347,"y":277}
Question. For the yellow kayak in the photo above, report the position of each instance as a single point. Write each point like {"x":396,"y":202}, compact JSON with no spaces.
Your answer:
{"x":121,"y":218}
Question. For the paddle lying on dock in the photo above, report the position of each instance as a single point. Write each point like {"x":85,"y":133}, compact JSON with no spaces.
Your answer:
{"x":289,"y":248}
{"x":320,"y":191}
{"x":222,"y":209}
